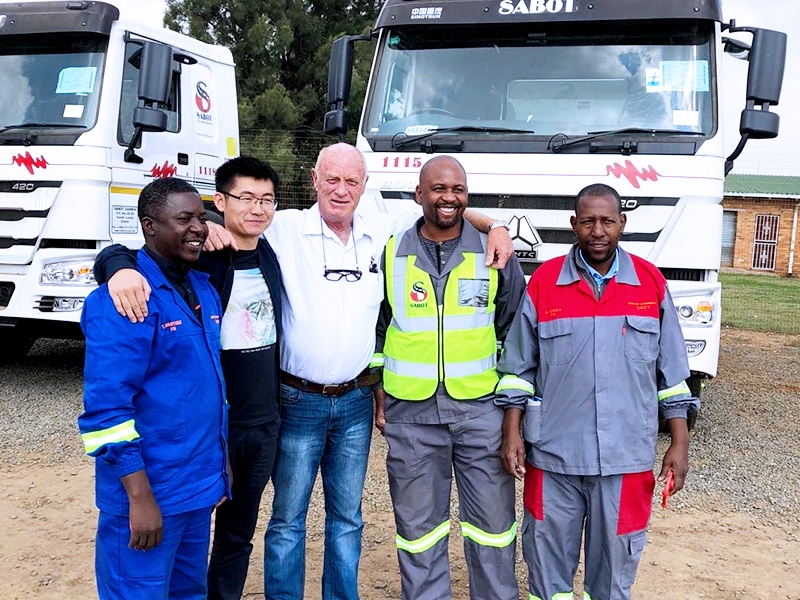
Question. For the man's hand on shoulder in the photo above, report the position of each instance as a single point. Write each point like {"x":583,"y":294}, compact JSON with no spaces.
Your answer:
{"x":499,"y":247}
{"x":219,"y":238}
{"x":130,"y":292}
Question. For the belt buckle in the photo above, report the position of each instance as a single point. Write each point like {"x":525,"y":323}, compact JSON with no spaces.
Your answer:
{"x":331,"y":389}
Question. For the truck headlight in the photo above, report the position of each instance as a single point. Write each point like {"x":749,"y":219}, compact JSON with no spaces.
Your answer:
{"x":699,"y":312}
{"x":68,"y":272}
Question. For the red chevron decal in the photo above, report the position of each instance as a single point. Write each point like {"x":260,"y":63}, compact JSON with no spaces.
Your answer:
{"x":27,"y":161}
{"x":165,"y":170}
{"x":632,"y":174}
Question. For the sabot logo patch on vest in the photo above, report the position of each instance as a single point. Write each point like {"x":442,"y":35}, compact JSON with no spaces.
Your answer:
{"x":418,"y":294}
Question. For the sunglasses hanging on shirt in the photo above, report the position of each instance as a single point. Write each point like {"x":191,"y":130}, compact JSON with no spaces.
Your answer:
{"x":338,"y":274}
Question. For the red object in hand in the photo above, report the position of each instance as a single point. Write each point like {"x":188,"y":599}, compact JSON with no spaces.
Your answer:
{"x":669,"y":485}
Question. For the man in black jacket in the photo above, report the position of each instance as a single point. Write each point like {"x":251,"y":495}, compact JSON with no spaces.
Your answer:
{"x":248,"y":282}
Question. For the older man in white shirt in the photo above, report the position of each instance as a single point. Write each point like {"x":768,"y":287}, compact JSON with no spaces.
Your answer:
{"x":332,"y":294}
{"x":332,"y":290}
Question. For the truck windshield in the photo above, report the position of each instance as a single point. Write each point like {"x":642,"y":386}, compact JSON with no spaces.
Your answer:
{"x":50,"y":81}
{"x":565,"y":78}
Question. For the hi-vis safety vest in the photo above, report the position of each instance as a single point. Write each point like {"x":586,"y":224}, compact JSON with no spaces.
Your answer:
{"x":454,"y":343}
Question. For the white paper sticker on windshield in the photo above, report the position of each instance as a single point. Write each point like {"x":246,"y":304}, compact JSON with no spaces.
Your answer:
{"x":73,"y":111}
{"x":678,"y":76}
{"x":76,"y":80}
{"x":687,"y":118}
{"x":420,"y":129}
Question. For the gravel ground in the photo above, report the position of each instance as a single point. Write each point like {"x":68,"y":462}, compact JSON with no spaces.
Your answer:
{"x":745,"y":451}
{"x":745,"y":460}
{"x":40,"y":400}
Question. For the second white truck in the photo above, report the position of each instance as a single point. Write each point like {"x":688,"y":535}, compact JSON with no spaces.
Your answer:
{"x":539,"y":98}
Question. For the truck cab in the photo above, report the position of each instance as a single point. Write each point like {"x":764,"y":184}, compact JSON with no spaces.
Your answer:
{"x":539,"y":98}
{"x":93,"y":106}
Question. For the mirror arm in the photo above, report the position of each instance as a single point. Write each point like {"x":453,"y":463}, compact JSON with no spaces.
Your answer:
{"x":130,"y":152}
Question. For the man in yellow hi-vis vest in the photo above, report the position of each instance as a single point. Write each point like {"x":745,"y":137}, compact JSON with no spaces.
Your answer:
{"x":437,"y":337}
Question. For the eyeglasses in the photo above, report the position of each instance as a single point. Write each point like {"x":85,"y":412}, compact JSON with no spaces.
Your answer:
{"x":338,"y":274}
{"x":249,"y":200}
{"x":346,"y":274}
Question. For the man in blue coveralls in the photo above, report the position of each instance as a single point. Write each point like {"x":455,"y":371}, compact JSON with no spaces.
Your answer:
{"x":155,"y":413}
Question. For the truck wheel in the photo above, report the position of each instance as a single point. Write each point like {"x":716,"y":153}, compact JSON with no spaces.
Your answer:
{"x":14,"y":346}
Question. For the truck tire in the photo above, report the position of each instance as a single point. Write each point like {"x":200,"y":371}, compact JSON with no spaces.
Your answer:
{"x":14,"y":346}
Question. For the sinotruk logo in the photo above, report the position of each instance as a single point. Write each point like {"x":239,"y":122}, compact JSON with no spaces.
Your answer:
{"x":525,"y":237}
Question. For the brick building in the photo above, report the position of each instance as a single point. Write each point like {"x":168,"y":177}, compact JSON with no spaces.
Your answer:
{"x":760,"y":224}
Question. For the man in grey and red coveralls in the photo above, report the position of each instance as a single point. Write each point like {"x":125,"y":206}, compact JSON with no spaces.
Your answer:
{"x":589,"y":363}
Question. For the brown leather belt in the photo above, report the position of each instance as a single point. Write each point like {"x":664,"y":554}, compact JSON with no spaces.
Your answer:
{"x":331,"y":389}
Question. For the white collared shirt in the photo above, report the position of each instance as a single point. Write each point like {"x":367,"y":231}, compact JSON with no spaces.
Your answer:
{"x":329,"y":326}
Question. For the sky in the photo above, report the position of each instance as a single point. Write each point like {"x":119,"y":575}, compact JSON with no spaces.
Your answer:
{"x":780,"y":156}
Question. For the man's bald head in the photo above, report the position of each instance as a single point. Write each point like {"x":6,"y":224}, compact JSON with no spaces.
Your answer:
{"x":441,"y":160}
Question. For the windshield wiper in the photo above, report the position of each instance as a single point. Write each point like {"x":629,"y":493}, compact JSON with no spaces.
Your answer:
{"x":557,"y":144}
{"x":39,"y":126}
{"x":398,"y":142}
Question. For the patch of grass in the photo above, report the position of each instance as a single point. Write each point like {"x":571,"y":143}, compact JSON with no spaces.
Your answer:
{"x":761,"y":302}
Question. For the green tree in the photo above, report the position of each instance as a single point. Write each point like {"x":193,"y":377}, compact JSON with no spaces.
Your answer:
{"x":281,"y":49}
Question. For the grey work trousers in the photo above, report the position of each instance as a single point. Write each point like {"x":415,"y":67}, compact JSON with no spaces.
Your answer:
{"x":613,"y":511}
{"x":420,"y":463}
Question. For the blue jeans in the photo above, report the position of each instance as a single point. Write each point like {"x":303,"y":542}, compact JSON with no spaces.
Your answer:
{"x":331,"y":434}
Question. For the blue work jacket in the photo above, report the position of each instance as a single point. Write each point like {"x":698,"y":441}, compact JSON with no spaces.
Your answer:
{"x":154,"y":396}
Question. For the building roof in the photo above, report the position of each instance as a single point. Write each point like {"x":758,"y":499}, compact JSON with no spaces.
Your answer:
{"x":762,"y":186}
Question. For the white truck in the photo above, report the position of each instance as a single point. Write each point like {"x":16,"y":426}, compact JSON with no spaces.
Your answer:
{"x":93,"y":106}
{"x":539,"y":98}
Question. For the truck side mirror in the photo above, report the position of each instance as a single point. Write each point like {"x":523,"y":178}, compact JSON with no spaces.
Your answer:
{"x":340,"y":76}
{"x":767,"y":56}
{"x":155,"y":78}
{"x":736,"y":48}
{"x":155,"y":81}
{"x":764,"y":81}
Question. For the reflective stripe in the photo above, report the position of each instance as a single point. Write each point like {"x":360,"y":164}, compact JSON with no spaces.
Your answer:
{"x":675,"y":390}
{"x":415,"y":325}
{"x":483,"y":538}
{"x":512,"y":382}
{"x":426,"y":542}
{"x":124,"y":432}
{"x":463,"y":369}
{"x":377,"y":360}
{"x":409,"y":369}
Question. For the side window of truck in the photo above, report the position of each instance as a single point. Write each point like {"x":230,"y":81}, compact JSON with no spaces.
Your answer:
{"x":130,"y":97}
